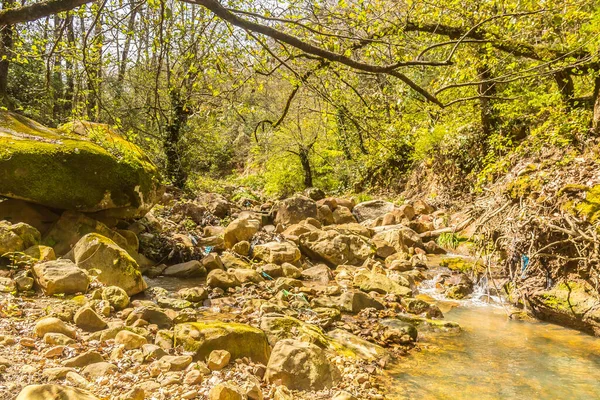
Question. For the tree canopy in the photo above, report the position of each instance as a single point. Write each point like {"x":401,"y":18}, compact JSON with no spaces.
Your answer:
{"x":344,"y":94}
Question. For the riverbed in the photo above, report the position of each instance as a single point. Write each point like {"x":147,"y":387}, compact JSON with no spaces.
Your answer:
{"x":494,"y":357}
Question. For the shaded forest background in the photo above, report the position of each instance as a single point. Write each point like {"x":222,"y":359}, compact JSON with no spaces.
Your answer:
{"x":347,"y":95}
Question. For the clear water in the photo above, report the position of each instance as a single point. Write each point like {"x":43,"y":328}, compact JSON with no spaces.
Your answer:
{"x":498,"y":358}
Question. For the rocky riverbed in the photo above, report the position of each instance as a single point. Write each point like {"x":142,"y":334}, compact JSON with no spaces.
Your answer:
{"x":204,"y":298}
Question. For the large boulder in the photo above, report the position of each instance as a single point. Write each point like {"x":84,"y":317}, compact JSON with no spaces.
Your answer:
{"x":283,"y":327}
{"x":379,"y":283}
{"x":60,"y":276}
{"x":116,"y":266}
{"x":13,"y":210}
{"x":72,"y":226}
{"x":240,"y":229}
{"x":52,"y":392}
{"x":277,"y":252}
{"x":295,"y":209}
{"x":238,"y":339}
{"x":300,"y":366}
{"x":82,"y":166}
{"x":335,"y":248}
{"x":372,"y":209}
{"x":17,"y":237}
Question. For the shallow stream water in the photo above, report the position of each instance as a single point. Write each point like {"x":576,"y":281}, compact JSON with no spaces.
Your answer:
{"x":498,"y":358}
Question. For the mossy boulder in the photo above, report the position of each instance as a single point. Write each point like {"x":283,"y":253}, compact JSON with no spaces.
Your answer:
{"x":282,"y":327}
{"x":17,"y":237}
{"x":570,"y":303}
{"x":115,"y":266}
{"x":239,"y":339}
{"x":81,"y":166}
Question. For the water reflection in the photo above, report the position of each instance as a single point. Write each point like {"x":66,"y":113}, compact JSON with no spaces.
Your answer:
{"x":497,"y":358}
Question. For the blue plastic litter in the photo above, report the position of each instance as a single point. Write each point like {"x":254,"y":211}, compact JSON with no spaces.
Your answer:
{"x":265,"y":275}
{"x":524,"y":265}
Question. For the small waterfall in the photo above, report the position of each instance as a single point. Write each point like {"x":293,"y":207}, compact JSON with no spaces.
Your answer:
{"x":481,"y":295}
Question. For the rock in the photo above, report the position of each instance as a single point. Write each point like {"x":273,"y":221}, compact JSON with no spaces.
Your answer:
{"x":188,"y":269}
{"x":193,"y":377}
{"x":152,"y":352}
{"x":343,"y":395}
{"x":380,"y":283}
{"x":319,"y":273}
{"x":290,"y":271}
{"x":226,"y":391}
{"x":432,"y":247}
{"x":247,"y":276}
{"x":240,"y":229}
{"x":460,"y":286}
{"x":372,"y":209}
{"x":23,"y":282}
{"x":72,"y":226}
{"x":351,"y":229}
{"x":116,"y":297}
{"x":54,"y":374}
{"x":150,"y":314}
{"x":232,"y":261}
{"x":295,"y":209}
{"x":134,"y":394}
{"x":195,"y":294}
{"x":335,"y":248}
{"x":242,"y":248}
{"x":324,"y":215}
{"x":300,"y":366}
{"x":278,"y":328}
{"x":218,"y":359}
{"x":100,"y":369}
{"x":315,"y":194}
{"x":354,"y":302}
{"x":54,"y":339}
{"x":177,"y":363}
{"x":130,"y":340}
{"x":61,"y":276}
{"x":273,"y":270}
{"x":421,"y":207}
{"x":41,"y":253}
{"x":215,"y":203}
{"x":342,"y":215}
{"x":212,"y":261}
{"x":88,"y":320}
{"x":7,"y":285}
{"x":191,"y":210}
{"x":238,"y":339}
{"x":82,"y":166}
{"x":16,"y":237}
{"x":116,"y":266}
{"x":357,"y":346}
{"x":399,"y":331}
{"x":277,"y":252}
{"x":15,"y":211}
{"x":221,"y":279}
{"x":50,"y":392}
{"x":53,"y":325}
{"x":82,"y":360}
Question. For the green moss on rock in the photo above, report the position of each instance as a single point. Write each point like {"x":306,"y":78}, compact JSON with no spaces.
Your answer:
{"x":67,"y":170}
{"x":238,"y":339}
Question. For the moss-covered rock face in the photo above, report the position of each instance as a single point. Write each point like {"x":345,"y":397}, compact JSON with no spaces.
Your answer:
{"x":238,"y":339}
{"x":81,"y":166}
{"x":115,"y":266}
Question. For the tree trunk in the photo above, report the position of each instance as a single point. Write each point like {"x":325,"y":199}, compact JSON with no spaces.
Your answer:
{"x":489,"y":118}
{"x":305,"y":161}
{"x":69,"y":92}
{"x":127,"y":45}
{"x":596,"y":117}
{"x":57,"y":84}
{"x":94,"y":69}
{"x":566,"y":87}
{"x":179,"y":116}
{"x":6,"y":45}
